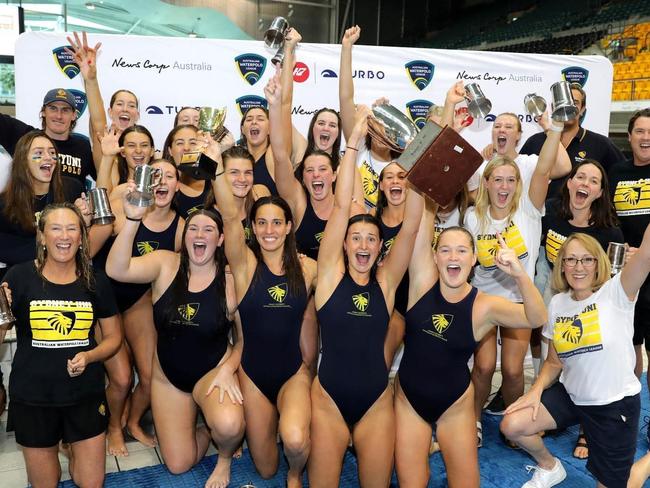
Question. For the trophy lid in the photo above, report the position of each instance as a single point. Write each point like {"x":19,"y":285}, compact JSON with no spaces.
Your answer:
{"x":398,"y":131}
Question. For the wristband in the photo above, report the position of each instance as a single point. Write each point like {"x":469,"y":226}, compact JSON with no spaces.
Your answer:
{"x":555,"y":128}
{"x":352,"y":148}
{"x":132,"y":219}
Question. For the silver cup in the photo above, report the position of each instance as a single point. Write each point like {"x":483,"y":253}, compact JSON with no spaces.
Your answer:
{"x":279,"y":57}
{"x":274,"y":36}
{"x":563,"y":107}
{"x":6,"y":315}
{"x":398,"y":129}
{"x":616,"y":255}
{"x":146,"y":179}
{"x":477,"y":104}
{"x":100,"y":207}
{"x":534,"y":104}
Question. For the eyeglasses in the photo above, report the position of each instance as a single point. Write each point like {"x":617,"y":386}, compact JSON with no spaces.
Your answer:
{"x":587,"y":262}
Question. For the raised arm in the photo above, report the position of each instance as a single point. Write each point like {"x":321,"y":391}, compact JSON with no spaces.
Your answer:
{"x":545,"y":162}
{"x":455,"y":95}
{"x":110,"y":147}
{"x":86,"y":58}
{"x":346,"y":85}
{"x":288,"y":186}
{"x":636,"y":270}
{"x":422,"y":267}
{"x":562,"y":166}
{"x":292,"y":39}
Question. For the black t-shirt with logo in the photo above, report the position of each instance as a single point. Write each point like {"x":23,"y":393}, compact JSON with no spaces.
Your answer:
{"x":556,"y":230}
{"x":53,"y":323}
{"x":75,"y":154}
{"x":585,"y":145}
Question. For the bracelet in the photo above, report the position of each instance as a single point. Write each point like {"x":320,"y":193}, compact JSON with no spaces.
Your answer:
{"x":219,"y":174}
{"x":555,"y":128}
{"x":352,"y":148}
{"x":132,"y":219}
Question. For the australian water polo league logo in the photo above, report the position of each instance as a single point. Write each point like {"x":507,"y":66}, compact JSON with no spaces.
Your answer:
{"x":420,"y":73}
{"x":65,"y":61}
{"x":417,"y":110}
{"x":80,"y":100}
{"x":250,"y":101}
{"x":575,"y":74}
{"x":251,"y":67}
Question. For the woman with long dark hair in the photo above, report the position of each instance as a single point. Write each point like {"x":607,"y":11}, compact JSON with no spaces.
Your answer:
{"x":56,"y":385}
{"x":193,"y":306}
{"x":324,"y":134}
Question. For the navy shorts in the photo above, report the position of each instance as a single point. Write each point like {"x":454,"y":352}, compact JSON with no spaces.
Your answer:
{"x":41,"y":426}
{"x":611,"y":432}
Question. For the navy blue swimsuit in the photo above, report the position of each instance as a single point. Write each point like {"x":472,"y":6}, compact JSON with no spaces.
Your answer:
{"x":402,"y":292}
{"x":271,"y":317}
{"x":438,"y":343}
{"x":185,"y":205}
{"x":353,"y":370}
{"x":310,"y":232}
{"x":261,"y":175}
{"x":194,"y":338}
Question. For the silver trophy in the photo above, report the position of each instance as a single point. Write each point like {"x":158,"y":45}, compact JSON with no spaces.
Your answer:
{"x":563,"y":107}
{"x":391,"y":127}
{"x":100,"y":206}
{"x":534,"y":104}
{"x":616,"y":254}
{"x":274,"y":38}
{"x":6,"y":315}
{"x":477,"y":104}
{"x":146,"y":180}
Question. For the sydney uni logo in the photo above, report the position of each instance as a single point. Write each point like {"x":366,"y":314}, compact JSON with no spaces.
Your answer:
{"x":278,"y":292}
{"x":250,"y":101}
{"x":420,"y":73}
{"x":575,"y":74}
{"x":361,"y":301}
{"x":188,"y":311}
{"x":145,"y":247}
{"x":62,"y":322}
{"x":65,"y":61}
{"x":417,"y":110}
{"x":251,"y":67}
{"x":441,"y":322}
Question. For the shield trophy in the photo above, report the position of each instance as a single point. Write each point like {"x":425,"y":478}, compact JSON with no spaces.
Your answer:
{"x":196,"y":164}
{"x":438,"y":161}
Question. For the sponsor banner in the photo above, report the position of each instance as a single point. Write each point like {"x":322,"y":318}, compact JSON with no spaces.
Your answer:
{"x":169,"y":73}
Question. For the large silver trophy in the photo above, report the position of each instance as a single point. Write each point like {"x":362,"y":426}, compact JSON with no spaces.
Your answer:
{"x":478,"y":104}
{"x":438,"y":160}
{"x":196,"y":164}
{"x":274,"y":38}
{"x":534,"y":104}
{"x":146,"y":179}
{"x":100,"y":206}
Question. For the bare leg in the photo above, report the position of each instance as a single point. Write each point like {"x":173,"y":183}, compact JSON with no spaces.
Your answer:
{"x":42,"y":465}
{"x":640,"y":472}
{"x":522,"y":429}
{"x":89,"y":462}
{"x":485,"y":360}
{"x":513,"y":351}
{"x":329,"y":440}
{"x":141,"y":336}
{"x":294,"y":406}
{"x":118,"y":369}
{"x":309,"y":337}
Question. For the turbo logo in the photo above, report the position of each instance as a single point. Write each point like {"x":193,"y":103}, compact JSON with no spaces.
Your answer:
{"x":152,"y":109}
{"x":251,"y":67}
{"x":65,"y":61}
{"x":300,"y":72}
{"x":328,"y":73}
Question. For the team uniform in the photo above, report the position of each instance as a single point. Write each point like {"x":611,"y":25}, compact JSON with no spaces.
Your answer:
{"x":402,"y":292}
{"x":354,"y":323}
{"x":54,"y":322}
{"x":271,"y":316}
{"x":597,"y":388}
{"x":186,"y":205}
{"x":261,"y":176}
{"x":192,"y":334}
{"x":310,"y":232}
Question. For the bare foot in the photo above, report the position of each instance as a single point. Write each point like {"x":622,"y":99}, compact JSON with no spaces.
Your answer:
{"x":294,"y":480}
{"x":238,"y":453}
{"x":220,"y":477}
{"x":141,"y":436}
{"x":115,"y":445}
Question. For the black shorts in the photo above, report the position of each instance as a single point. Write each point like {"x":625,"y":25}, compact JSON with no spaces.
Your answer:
{"x":39,"y":426}
{"x":642,"y":323}
{"x":611,"y":432}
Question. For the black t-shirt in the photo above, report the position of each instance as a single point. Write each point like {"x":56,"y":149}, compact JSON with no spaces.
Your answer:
{"x":555,"y":231}
{"x":585,"y":145}
{"x":75,"y":154}
{"x":16,"y":244}
{"x":54,"y":323}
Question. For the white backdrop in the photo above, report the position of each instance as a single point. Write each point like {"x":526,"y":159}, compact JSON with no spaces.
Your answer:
{"x":168,"y":73}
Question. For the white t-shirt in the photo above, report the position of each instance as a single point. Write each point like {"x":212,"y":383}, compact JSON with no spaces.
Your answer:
{"x":522,"y":233}
{"x":593,"y":338}
{"x":370,"y":167}
{"x":444,"y":221}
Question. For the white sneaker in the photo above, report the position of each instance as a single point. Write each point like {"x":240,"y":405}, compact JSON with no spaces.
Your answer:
{"x":479,"y":432}
{"x":545,"y":478}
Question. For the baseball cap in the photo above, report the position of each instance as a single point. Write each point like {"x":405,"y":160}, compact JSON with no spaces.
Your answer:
{"x":60,"y":95}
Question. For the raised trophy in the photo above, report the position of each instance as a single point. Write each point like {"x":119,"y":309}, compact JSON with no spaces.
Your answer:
{"x":274,"y":38}
{"x":6,"y":315}
{"x":477,"y":103}
{"x":196,"y":164}
{"x":146,"y":180}
{"x":616,"y":254}
{"x":438,"y":161}
{"x":100,"y":206}
{"x":534,"y":104}
{"x":563,"y":107}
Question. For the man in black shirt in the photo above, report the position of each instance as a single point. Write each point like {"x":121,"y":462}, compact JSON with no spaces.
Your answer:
{"x":59,"y":116}
{"x":579,"y":142}
{"x":629,"y":183}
